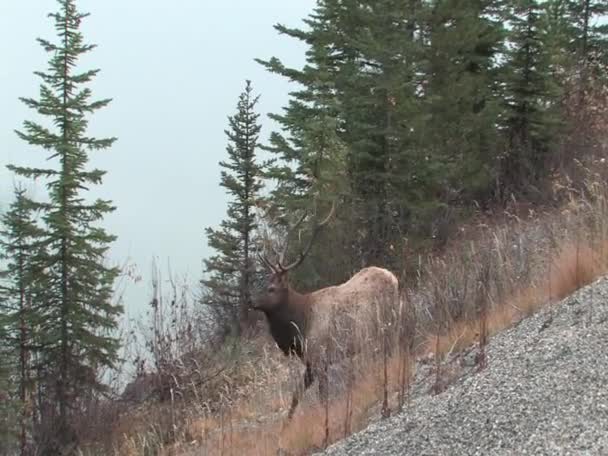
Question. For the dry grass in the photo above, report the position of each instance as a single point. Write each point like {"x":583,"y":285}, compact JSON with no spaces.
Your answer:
{"x":236,"y":432}
{"x":573,"y":267}
{"x":257,"y":426}
{"x":491,"y":277}
{"x":496,"y":275}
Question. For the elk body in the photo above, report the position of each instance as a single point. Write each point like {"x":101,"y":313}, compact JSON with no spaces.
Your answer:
{"x":330,"y":324}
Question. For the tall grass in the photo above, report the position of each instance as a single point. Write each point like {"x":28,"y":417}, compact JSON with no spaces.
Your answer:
{"x":493,"y":275}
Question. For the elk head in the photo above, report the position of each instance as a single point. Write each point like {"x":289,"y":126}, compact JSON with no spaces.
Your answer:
{"x":276,"y":293}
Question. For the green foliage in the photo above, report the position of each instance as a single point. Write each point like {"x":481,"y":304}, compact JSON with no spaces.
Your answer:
{"x":337,"y":139}
{"x":576,"y":41}
{"x":78,"y":317}
{"x":380,"y":109}
{"x":307,"y":153}
{"x":531,"y":96}
{"x":410,"y":112}
{"x":230,"y":272}
{"x":555,"y":23}
{"x":461,"y":100}
{"x":21,"y":311}
{"x":309,"y":164}
{"x":397,"y":110}
{"x":588,"y":33}
{"x":9,"y":403}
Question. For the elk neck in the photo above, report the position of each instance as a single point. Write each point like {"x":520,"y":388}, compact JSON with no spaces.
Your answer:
{"x":289,"y":323}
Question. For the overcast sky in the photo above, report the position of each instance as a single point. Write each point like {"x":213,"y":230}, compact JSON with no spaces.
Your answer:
{"x":174,"y":70}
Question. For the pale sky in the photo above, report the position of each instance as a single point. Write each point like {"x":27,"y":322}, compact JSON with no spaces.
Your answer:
{"x":174,"y":70}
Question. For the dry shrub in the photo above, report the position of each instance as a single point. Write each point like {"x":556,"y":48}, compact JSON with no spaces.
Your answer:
{"x":230,"y":434}
{"x":212,"y":411}
{"x":521,"y":266}
{"x":307,"y":430}
{"x":493,"y":275}
{"x":573,"y":268}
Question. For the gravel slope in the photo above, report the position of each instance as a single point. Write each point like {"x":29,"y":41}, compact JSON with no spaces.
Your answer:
{"x":544,"y":392}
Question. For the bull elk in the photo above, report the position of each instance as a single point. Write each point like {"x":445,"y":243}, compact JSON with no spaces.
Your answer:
{"x":329,"y":324}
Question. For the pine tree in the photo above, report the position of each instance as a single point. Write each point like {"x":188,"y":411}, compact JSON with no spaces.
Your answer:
{"x":588,"y":38}
{"x":79,"y":316}
{"x":357,"y":99}
{"x":19,"y":241}
{"x":461,"y":103}
{"x":531,"y":97}
{"x":221,"y":279}
{"x":586,"y":77}
{"x":308,"y":155}
{"x":9,"y":406}
{"x":558,"y":40}
{"x":231,"y":270}
{"x":9,"y":403}
{"x":308,"y":167}
{"x":380,"y":112}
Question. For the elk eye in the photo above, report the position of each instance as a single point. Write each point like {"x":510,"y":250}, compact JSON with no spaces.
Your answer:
{"x":271,"y":290}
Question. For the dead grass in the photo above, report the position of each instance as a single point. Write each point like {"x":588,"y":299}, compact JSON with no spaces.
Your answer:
{"x":256,"y":425}
{"x":574,"y":267}
{"x":236,"y":432}
{"x":492,"y":277}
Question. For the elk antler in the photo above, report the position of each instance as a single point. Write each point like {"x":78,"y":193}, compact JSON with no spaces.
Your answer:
{"x":280,"y":264}
{"x":314,"y":234}
{"x":266,"y":262}
{"x":281,"y":257}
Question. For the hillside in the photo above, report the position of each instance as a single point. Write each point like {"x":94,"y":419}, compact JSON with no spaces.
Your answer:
{"x":516,"y":269}
{"x":543,"y":392}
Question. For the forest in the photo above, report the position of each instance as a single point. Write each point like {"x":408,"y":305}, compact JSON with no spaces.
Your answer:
{"x":415,"y":119}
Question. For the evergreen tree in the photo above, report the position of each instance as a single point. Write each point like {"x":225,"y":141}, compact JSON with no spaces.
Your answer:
{"x":79,"y":317}
{"x":360,"y":73}
{"x":462,"y":107}
{"x":586,"y":77}
{"x":9,"y":403}
{"x":19,"y":241}
{"x":231,"y":270}
{"x":9,"y":406}
{"x":531,"y":96}
{"x":588,"y":38}
{"x":558,"y":40}
{"x":220,"y":281}
{"x":381,"y":119}
{"x":309,"y":156}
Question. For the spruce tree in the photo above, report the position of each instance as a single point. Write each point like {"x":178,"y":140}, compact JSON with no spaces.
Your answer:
{"x":577,"y":43}
{"x":531,"y":97}
{"x":231,"y":270}
{"x":359,"y":84}
{"x":9,"y":405}
{"x":381,"y":121}
{"x":461,"y":103}
{"x":586,"y":76}
{"x":19,"y":241}
{"x":9,"y":402}
{"x":558,"y":40}
{"x":77,"y":332}
{"x":308,"y":164}
{"x":588,"y":38}
{"x":308,"y":155}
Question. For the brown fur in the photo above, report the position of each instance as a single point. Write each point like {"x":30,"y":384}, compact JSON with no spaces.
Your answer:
{"x":329,"y":324}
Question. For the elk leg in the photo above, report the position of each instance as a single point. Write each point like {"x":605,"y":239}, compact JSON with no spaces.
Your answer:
{"x":308,"y":379}
{"x":323,"y":387}
{"x":324,"y":397}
